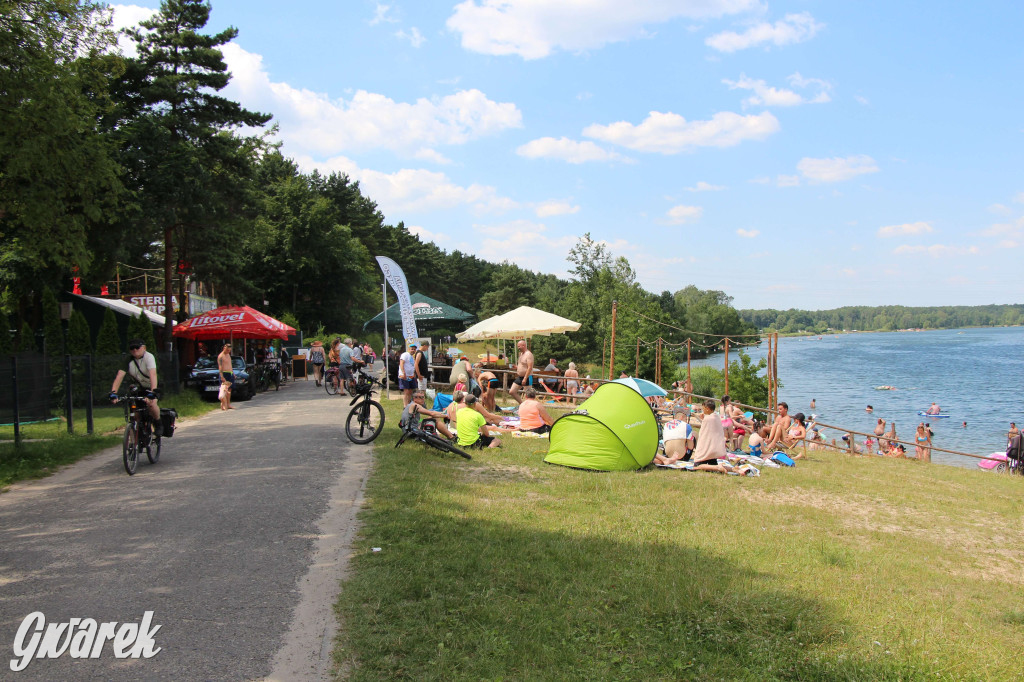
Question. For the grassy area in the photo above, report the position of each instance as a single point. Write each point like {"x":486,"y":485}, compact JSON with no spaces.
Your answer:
{"x":841,"y":568}
{"x":47,"y":446}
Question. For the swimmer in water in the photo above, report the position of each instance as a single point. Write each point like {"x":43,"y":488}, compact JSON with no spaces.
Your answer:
{"x":869,"y":409}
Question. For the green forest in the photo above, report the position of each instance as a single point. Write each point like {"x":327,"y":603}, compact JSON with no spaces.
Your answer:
{"x":884,"y":318}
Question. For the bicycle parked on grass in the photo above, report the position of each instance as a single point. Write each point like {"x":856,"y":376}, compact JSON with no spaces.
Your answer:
{"x":359,"y":426}
{"x":411,"y":430}
{"x":138,"y":430}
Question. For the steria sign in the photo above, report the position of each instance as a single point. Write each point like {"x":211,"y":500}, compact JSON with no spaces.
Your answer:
{"x":154,"y":303}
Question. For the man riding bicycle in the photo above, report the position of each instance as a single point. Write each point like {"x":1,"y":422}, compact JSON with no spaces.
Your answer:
{"x":142,"y":369}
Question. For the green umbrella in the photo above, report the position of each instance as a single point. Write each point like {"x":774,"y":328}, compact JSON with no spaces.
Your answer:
{"x":429,"y":313}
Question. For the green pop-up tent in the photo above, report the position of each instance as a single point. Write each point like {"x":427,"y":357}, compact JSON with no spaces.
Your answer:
{"x":613,"y":430}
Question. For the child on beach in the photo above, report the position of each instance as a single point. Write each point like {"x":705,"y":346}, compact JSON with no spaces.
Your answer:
{"x":461,"y":385}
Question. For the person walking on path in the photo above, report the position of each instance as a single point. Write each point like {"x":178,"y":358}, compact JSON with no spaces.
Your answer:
{"x":316,"y":356}
{"x":227,"y":376}
{"x":524,"y":369}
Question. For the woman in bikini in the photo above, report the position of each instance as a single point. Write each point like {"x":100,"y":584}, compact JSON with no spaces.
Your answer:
{"x":923,"y":444}
{"x":796,"y":433}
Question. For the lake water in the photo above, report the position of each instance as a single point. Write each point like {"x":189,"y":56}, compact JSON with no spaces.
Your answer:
{"x":975,"y":375}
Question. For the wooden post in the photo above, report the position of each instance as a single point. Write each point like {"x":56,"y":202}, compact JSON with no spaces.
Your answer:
{"x":604,"y":352}
{"x":688,"y":359}
{"x":611,"y":355}
{"x":775,"y":370}
{"x":771,"y":385}
{"x":637,"y":357}
{"x":727,"y":365}
{"x":657,"y":362}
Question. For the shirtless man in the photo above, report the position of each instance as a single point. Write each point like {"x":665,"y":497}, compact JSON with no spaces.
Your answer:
{"x":227,"y":375}
{"x":488,"y":387}
{"x":934,"y":409}
{"x":779,"y":428}
{"x":524,"y":368}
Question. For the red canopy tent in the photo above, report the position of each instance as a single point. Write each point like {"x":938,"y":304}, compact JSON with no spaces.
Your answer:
{"x":233,"y":322}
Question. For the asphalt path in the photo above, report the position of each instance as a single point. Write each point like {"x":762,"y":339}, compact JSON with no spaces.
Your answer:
{"x":235,"y":540}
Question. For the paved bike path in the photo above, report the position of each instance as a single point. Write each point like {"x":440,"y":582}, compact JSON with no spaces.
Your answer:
{"x":235,"y":540}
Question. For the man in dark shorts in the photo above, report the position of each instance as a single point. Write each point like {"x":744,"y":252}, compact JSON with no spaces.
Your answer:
{"x":227,"y":376}
{"x":524,"y":369}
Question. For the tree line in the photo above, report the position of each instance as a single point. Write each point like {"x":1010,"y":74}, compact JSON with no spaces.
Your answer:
{"x":109,"y":158}
{"x":884,"y":318}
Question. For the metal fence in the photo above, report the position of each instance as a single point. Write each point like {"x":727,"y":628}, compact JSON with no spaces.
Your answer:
{"x":35,"y":387}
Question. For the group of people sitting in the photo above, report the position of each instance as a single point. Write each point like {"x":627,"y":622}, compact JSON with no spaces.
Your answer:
{"x":722,"y":430}
{"x":467,"y":420}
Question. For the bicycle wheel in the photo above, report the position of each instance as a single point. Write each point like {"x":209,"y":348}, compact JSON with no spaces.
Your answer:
{"x":443,"y":444}
{"x":329,"y":383}
{"x":130,"y":447}
{"x":359,"y":427}
{"x":153,"y":449}
{"x":276,"y":378}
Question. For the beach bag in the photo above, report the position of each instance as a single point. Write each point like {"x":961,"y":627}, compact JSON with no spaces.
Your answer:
{"x":783,"y":459}
{"x":168,"y":415}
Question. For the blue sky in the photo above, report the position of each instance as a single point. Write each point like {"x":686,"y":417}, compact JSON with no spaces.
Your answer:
{"x":792,"y":154}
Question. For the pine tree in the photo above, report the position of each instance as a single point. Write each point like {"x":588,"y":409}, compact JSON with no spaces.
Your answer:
{"x":191,"y":173}
{"x":79,"y":336}
{"x":144,"y":331}
{"x":108,"y":340}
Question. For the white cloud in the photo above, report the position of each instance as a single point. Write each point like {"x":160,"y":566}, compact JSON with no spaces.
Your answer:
{"x":788,"y":181}
{"x":678,"y":215}
{"x":414,"y":36}
{"x":769,"y":96}
{"x":314,"y":123}
{"x":534,"y":29}
{"x":668,"y":133}
{"x":836,"y":169}
{"x":1000,"y":209}
{"x":412,"y":190}
{"x":382,"y":14}
{"x":794,"y":28}
{"x":862,"y":100}
{"x":567,"y":150}
{"x":705,"y":187}
{"x":426,"y":235}
{"x":551,"y":208}
{"x":1019,"y":198}
{"x":905,"y":229}
{"x":521,"y":242}
{"x":128,"y":16}
{"x":936,"y":250}
{"x":749,"y":234}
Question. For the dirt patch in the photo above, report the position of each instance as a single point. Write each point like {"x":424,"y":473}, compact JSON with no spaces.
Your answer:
{"x":500,"y":472}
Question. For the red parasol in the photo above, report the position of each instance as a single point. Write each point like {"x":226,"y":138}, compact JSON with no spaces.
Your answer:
{"x":241,"y":322}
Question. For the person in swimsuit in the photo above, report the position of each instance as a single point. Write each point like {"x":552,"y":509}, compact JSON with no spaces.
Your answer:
{"x":524,"y":369}
{"x":879,"y":432}
{"x":532,"y":415}
{"x":796,"y":433}
{"x":488,"y":387}
{"x":572,"y":379}
{"x":1014,"y":431}
{"x":934,"y":409}
{"x":922,"y":442}
{"x":779,"y":428}
{"x":226,"y":376}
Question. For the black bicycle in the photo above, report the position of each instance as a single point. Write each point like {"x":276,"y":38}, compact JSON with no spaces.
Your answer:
{"x":138,"y":430}
{"x":360,"y":426}
{"x":430,"y":438}
{"x":265,"y":374}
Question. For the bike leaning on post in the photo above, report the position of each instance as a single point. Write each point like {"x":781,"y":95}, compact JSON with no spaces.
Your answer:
{"x":359,"y":426}
{"x":138,"y":430}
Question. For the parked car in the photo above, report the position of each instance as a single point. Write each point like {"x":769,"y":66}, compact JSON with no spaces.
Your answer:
{"x":204,"y":377}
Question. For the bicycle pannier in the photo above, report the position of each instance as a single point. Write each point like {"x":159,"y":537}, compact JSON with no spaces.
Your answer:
{"x":167,"y":418}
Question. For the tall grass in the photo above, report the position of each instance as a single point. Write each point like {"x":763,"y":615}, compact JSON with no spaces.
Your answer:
{"x":841,"y":568}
